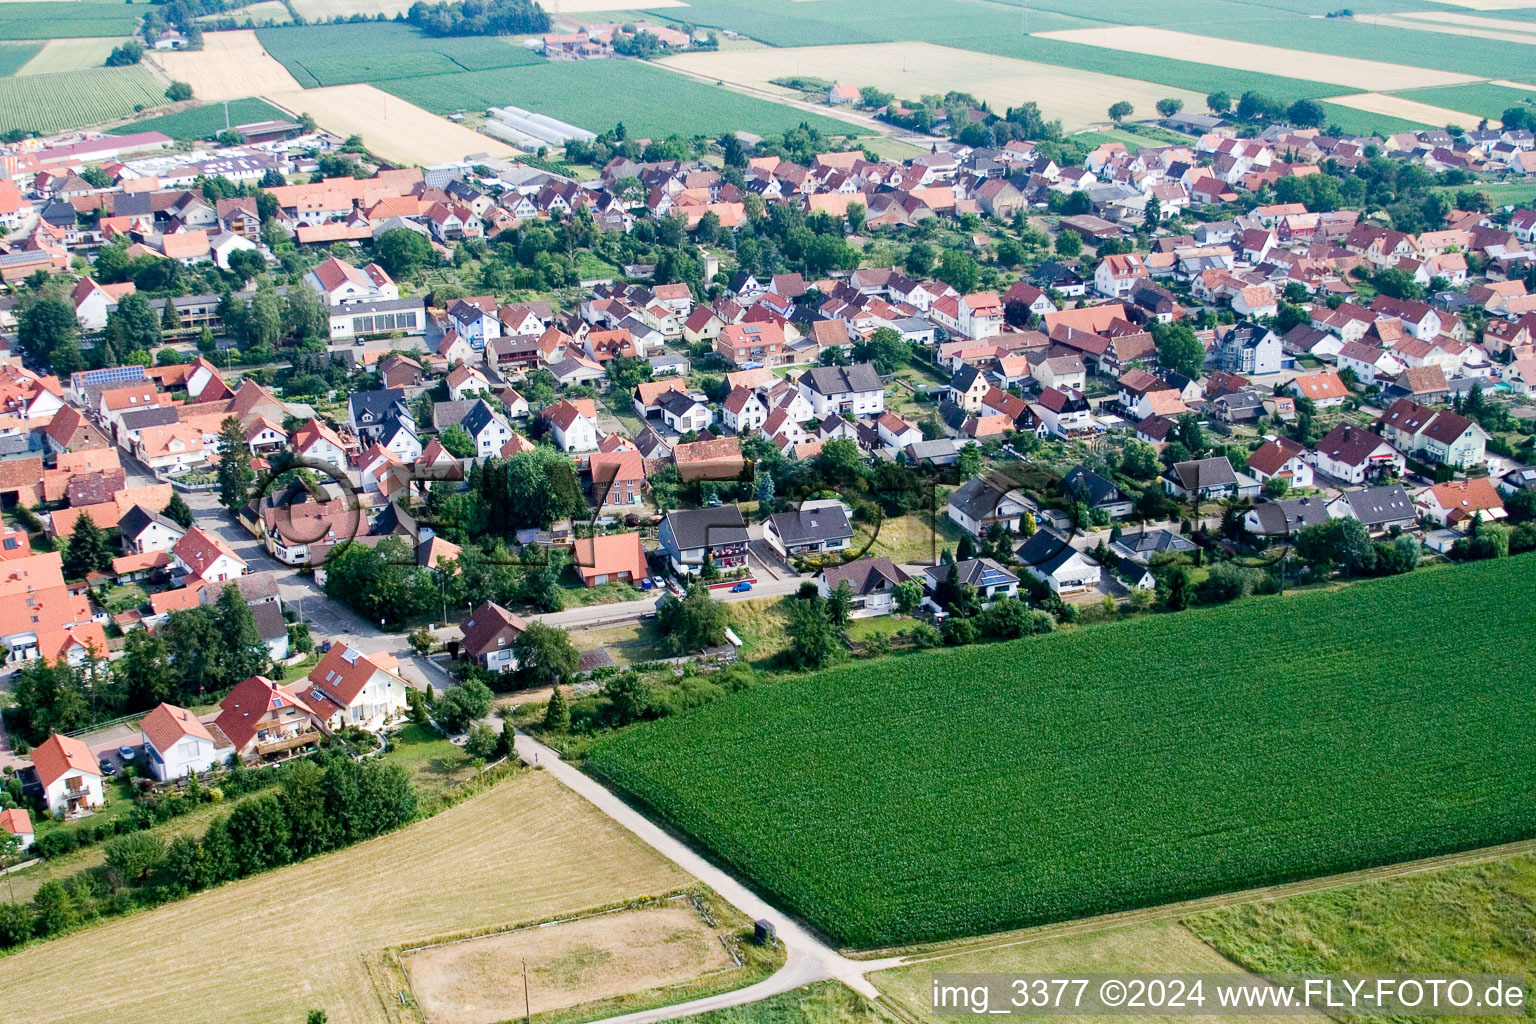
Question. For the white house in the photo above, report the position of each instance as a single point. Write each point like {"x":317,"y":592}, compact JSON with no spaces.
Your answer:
{"x":873,"y":581}
{"x":207,"y":557}
{"x":1119,"y":275}
{"x":849,"y":391}
{"x":465,"y":382}
{"x":176,"y":743}
{"x":18,"y":823}
{"x":809,"y":531}
{"x":69,"y":775}
{"x":743,"y":410}
{"x":1050,"y":556}
{"x":144,"y":532}
{"x":1284,"y":459}
{"x":315,"y":440}
{"x":352,"y":688}
{"x":572,"y":428}
{"x":488,"y":636}
{"x":341,"y":284}
{"x":978,"y":505}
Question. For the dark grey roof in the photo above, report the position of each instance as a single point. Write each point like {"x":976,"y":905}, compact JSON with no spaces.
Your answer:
{"x":1152,"y":542}
{"x":132,"y":204}
{"x":964,"y":378}
{"x":652,"y":445}
{"x":707,"y":527}
{"x":976,"y":572}
{"x":676,"y":402}
{"x":819,"y":525}
{"x":1046,"y":550}
{"x":140,"y":418}
{"x":446,"y":414}
{"x":1202,"y":473}
{"x":269,"y":620}
{"x":842,"y":380}
{"x":480,"y":417}
{"x":1290,"y":515}
{"x":863,"y":575}
{"x":138,"y":519}
{"x":977,"y":498}
{"x":941,"y":449}
{"x":381,"y":306}
{"x":1376,"y":505}
{"x":375,"y":406}
{"x":1086,"y":485}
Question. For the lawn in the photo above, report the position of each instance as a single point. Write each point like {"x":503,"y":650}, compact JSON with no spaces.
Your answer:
{"x":598,"y":94}
{"x":578,"y":594}
{"x":1503,"y":193}
{"x":205,"y":121}
{"x":630,"y":643}
{"x":380,"y":51}
{"x":53,"y":103}
{"x":1469,"y":918}
{"x":1135,"y":763}
{"x":120,"y":599}
{"x":913,"y":538}
{"x":525,"y":851}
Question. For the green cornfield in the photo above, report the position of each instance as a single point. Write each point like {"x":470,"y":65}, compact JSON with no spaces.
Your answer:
{"x":67,"y":19}
{"x":73,"y":99}
{"x":968,"y":791}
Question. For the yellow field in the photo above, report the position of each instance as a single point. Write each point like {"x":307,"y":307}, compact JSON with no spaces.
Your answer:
{"x":318,"y":10}
{"x":230,"y":66}
{"x":1161,"y":947}
{"x":69,"y":55}
{"x":1226,"y":53}
{"x":1078,"y":98}
{"x":395,"y":130}
{"x":1450,"y":24}
{"x":310,"y":936}
{"x":264,"y":11}
{"x":1396,"y":106}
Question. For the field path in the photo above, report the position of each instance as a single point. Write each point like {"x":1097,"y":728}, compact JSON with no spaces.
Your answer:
{"x":808,"y":958}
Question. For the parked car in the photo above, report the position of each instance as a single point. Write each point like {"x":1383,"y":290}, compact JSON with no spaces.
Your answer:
{"x":742,"y":587}
{"x":108,"y":769}
{"x":658,"y":582}
{"x":126,"y":753}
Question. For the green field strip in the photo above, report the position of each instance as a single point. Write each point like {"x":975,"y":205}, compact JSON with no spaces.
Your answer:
{"x":1481,"y":99}
{"x":1363,"y":122}
{"x":204,"y":121}
{"x":1168,"y":757}
{"x":319,"y":55}
{"x":63,"y":19}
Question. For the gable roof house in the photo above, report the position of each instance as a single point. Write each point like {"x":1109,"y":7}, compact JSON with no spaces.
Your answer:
{"x":572,"y":428}
{"x":1050,"y":556}
{"x":849,"y":391}
{"x":1354,"y":455}
{"x":1283,"y":459}
{"x":1208,"y":478}
{"x":69,"y":775}
{"x":1458,"y":503}
{"x":352,"y":688}
{"x":489,"y":633}
{"x":690,"y":537}
{"x":873,"y":581}
{"x":1100,"y":495}
{"x":808,"y":531}
{"x":1433,"y":435}
{"x":177,"y":744}
{"x":611,"y":558}
{"x":978,"y":504}
{"x":260,"y":720}
{"x":1379,"y":508}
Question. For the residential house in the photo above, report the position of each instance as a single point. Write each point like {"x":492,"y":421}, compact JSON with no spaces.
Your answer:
{"x":809,"y":531}
{"x":341,"y":284}
{"x":260,"y":720}
{"x":618,"y":478}
{"x":176,"y":743}
{"x":1102,"y":496}
{"x":692,"y":537}
{"x":990,"y":579}
{"x":1204,"y":479}
{"x":207,"y":557}
{"x":573,"y":428}
{"x":1050,"y":556}
{"x":349,"y":687}
{"x":1280,"y":458}
{"x":849,"y":391}
{"x":743,"y":410}
{"x":611,"y":558}
{"x":978,"y":505}
{"x":144,"y":532}
{"x":489,"y":633}
{"x":872,"y":580}
{"x":1355,"y":455}
{"x":1439,"y":436}
{"x":1147,"y":547}
{"x":17,"y":822}
{"x":683,"y":412}
{"x":1286,"y":517}
{"x":1458,"y":503}
{"x":1379,"y":508}
{"x":69,"y":775}
{"x":1250,"y":348}
{"x":1324,"y":389}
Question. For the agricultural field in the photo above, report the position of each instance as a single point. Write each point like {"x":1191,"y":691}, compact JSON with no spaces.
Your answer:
{"x":1354,"y":72}
{"x":825,"y":1002}
{"x":1401,"y":109}
{"x":54,"y":103}
{"x":230,"y":66}
{"x":319,"y":55}
{"x":1362,"y":122}
{"x":67,"y":19}
{"x":598,"y":94}
{"x":392,"y":128}
{"x":1452,"y":24}
{"x":14,"y":56}
{"x":59,"y":55}
{"x":204,"y":121}
{"x":1156,"y":948}
{"x":261,"y":13}
{"x":1484,"y":99}
{"x":1078,"y":98}
{"x":1475,"y":917}
{"x":526,"y":851}
{"x":325,"y":10}
{"x":1269,"y":746}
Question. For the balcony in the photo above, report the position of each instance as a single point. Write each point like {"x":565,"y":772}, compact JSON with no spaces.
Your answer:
{"x":267,"y":748}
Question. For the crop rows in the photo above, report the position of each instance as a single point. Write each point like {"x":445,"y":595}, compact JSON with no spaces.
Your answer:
{"x":66,"y":19}
{"x":318,"y":55}
{"x":53,"y":103}
{"x":967,"y":791}
{"x":205,"y":121}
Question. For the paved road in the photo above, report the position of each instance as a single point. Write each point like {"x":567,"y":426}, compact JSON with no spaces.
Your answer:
{"x":622,"y":611}
{"x":808,"y":960}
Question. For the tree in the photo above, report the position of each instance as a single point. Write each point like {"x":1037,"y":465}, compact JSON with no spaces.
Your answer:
{"x":54,"y":909}
{"x":959,"y":270}
{"x":88,"y":551}
{"x":1178,"y":348}
{"x":133,"y":325}
{"x":840,"y":603}
{"x":629,"y":698}
{"x":1219,"y":102}
{"x":46,"y":328}
{"x":178,"y":92}
{"x":908,"y":595}
{"x":557,"y":713}
{"x":304,"y":317}
{"x":1174,"y":589}
{"x":126,"y":55}
{"x":401,"y":252}
{"x":1306,"y":114}
{"x":458,"y":707}
{"x":178,"y":512}
{"x":1170,"y":106}
{"x":458,"y":442}
{"x":885,"y":348}
{"x":628,"y":372}
{"x":812,"y":644}
{"x":1341,"y":543}
{"x":135,"y":855}
{"x":235,"y":473}
{"x":481,"y":742}
{"x":1069,"y":244}
{"x":1120,"y":111}
{"x":696,"y":622}
{"x":544,"y":655}
{"x":969,"y":464}
{"x":1139,"y":459}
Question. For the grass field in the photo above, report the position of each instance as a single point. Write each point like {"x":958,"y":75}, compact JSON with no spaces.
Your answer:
{"x":1502,"y":193}
{"x":205,"y":121}
{"x":66,"y":19}
{"x":1484,"y":99}
{"x":14,"y":56}
{"x":53,"y":103}
{"x":1205,"y":48}
{"x":310,"y":936}
{"x":1271,"y":743}
{"x":259,"y":13}
{"x":392,"y":128}
{"x":1361,"y":122}
{"x":374,"y":52}
{"x":230,"y":66}
{"x":825,"y":1002}
{"x":910,"y":70}
{"x":69,"y":55}
{"x":598,"y":94}
{"x":1470,"y":918}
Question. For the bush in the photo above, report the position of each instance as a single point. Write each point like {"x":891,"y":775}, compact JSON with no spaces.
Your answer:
{"x":957,"y":631}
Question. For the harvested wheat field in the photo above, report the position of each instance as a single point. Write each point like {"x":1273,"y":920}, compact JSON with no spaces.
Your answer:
{"x":230,"y":66}
{"x":1275,"y":60}
{"x":393,"y":129}
{"x":311,"y":936}
{"x":480,"y":981}
{"x":1078,"y":98}
{"x":1456,"y":25}
{"x":1409,"y":110}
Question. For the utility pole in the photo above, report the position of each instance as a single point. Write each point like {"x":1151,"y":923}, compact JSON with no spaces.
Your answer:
{"x":527,"y":1012}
